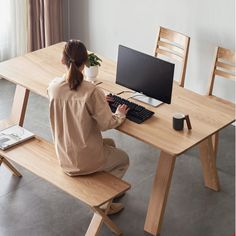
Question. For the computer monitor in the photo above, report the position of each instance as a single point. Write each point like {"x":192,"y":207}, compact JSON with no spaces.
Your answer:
{"x":145,"y":74}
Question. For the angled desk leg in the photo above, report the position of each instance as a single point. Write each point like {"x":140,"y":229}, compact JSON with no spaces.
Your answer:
{"x":10,"y":166}
{"x":159,"y":193}
{"x":208,"y":161}
{"x":17,"y":117}
{"x":215,"y":141}
{"x":19,"y":105}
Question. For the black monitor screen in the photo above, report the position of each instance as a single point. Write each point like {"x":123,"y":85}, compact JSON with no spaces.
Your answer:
{"x":145,"y":74}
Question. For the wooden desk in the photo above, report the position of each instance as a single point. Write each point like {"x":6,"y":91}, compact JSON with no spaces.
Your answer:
{"x":35,"y":70}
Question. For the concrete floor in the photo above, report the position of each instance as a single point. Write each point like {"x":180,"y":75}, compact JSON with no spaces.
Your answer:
{"x":31,"y":206}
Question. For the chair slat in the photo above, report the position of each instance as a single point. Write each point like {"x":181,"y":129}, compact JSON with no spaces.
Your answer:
{"x":173,"y":36}
{"x":226,"y":54}
{"x":224,"y":74}
{"x":225,"y":66}
{"x":169,"y":54}
{"x":172,"y":47}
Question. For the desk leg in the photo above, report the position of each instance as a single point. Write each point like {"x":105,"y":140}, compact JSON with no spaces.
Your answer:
{"x":215,"y":140}
{"x":19,"y":105}
{"x":159,"y":193}
{"x":10,"y":166}
{"x":208,"y":160}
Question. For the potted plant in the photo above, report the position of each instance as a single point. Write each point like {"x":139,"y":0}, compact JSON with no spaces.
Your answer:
{"x":91,"y":68}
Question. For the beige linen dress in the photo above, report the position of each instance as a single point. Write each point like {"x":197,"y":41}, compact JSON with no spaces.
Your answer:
{"x":77,"y":119}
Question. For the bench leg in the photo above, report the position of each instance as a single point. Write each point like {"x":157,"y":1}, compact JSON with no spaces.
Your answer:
{"x":98,"y":219}
{"x":10,"y":166}
{"x":208,"y":160}
{"x":95,"y":225}
{"x":108,"y":222}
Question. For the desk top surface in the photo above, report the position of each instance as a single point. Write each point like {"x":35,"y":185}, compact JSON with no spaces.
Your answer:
{"x":207,"y":114}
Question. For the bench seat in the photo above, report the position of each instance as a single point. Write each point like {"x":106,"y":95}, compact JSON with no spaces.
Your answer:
{"x":38,"y":156}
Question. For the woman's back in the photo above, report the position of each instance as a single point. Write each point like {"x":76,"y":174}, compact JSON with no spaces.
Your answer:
{"x":76,"y":133}
{"x":77,"y":118}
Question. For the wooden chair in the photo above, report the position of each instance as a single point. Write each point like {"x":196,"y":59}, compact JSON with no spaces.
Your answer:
{"x":223,"y":66}
{"x":173,"y":45}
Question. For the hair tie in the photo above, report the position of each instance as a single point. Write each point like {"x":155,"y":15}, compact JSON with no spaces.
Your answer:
{"x":71,"y":60}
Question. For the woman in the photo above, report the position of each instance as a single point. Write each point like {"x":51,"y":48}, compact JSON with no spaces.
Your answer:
{"x":78,"y":113}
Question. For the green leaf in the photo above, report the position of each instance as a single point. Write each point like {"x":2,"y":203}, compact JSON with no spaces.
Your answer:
{"x":93,"y":60}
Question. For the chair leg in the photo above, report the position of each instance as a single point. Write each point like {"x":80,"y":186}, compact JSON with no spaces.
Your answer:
{"x":98,"y":219}
{"x":10,"y":166}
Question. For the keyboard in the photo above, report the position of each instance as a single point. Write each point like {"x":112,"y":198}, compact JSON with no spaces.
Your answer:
{"x":136,"y":113}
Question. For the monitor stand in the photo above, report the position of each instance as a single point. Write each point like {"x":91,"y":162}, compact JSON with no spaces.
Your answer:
{"x":143,"y":98}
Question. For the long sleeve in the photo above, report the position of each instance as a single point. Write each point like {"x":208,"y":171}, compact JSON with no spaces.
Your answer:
{"x":101,"y":112}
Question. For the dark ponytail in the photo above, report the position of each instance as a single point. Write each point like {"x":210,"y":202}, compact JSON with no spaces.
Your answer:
{"x":75,"y":77}
{"x":74,"y":56}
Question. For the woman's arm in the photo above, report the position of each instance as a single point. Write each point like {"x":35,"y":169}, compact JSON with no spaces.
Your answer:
{"x":101,"y":112}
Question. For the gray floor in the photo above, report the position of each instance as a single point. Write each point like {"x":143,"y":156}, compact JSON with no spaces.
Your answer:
{"x":31,"y":207}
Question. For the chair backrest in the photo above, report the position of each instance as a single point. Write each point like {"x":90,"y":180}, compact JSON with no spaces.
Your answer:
{"x":173,"y":45}
{"x":223,"y":66}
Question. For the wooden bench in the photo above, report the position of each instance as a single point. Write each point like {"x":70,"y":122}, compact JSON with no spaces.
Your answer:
{"x":38,"y":156}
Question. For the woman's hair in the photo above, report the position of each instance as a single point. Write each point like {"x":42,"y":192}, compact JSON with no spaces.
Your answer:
{"x":74,"y":56}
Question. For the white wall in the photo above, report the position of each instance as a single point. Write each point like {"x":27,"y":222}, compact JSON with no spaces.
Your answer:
{"x":103,"y":24}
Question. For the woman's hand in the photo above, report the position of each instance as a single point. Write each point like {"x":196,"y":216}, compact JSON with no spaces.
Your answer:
{"x":122,"y":109}
{"x":109,"y":98}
